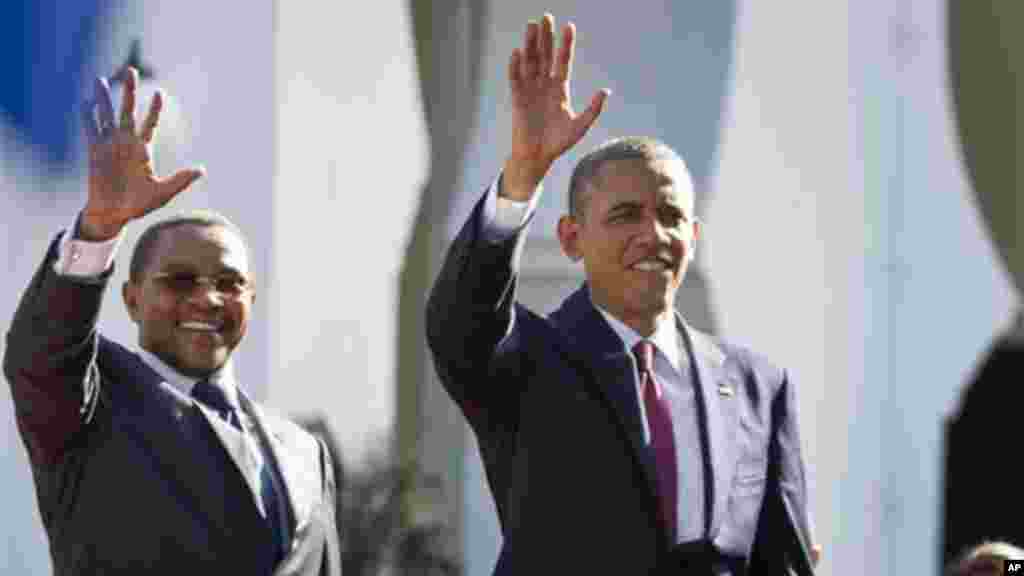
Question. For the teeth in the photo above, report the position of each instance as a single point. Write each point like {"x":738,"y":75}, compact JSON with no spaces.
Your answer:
{"x":199,"y":326}
{"x":650,"y":265}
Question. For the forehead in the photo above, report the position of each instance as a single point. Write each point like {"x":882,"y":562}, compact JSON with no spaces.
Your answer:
{"x":643,"y":180}
{"x":204,"y":248}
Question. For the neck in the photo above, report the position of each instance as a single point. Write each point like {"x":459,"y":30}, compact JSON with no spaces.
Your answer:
{"x":644,"y":318}
{"x":645,"y":324}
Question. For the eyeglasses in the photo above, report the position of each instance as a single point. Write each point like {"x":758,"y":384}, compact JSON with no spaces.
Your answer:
{"x":185,"y":283}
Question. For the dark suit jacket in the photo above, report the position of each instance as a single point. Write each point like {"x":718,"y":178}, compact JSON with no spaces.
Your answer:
{"x":982,"y":488}
{"x":553,"y":404}
{"x":131,"y":475}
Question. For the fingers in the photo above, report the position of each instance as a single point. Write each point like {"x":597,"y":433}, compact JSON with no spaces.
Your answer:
{"x":171,"y":186}
{"x":515,"y":80}
{"x":130,"y":79}
{"x":537,"y":58}
{"x":546,"y":46}
{"x":152,"y":117}
{"x":566,"y":53}
{"x":105,"y":106}
{"x":585,"y":120}
{"x":531,"y":56}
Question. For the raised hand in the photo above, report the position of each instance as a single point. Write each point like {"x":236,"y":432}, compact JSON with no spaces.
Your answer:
{"x":122,"y":185}
{"x":544,"y":124}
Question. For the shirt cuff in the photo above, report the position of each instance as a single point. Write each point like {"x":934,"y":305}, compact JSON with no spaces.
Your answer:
{"x":83,"y":259}
{"x":504,"y":218}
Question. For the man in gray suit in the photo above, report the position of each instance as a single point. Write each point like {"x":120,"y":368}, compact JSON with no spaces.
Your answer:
{"x":155,"y":461}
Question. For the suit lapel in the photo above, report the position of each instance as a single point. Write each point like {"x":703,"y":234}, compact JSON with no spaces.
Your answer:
{"x":169,"y":429}
{"x":595,"y":346}
{"x":292,"y":459}
{"x":717,"y":409}
{"x":234,"y":444}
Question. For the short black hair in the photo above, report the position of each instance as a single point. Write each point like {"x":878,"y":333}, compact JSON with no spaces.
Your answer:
{"x":627,"y":148}
{"x":142,"y":255}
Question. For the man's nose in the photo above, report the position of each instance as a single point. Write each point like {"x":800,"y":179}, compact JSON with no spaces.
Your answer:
{"x":205,"y":294}
{"x":654,"y":231}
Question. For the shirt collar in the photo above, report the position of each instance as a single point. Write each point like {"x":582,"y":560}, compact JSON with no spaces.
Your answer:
{"x":665,"y":337}
{"x":223,"y":378}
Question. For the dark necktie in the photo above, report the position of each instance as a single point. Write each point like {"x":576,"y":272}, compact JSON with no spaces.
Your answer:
{"x":213,"y":397}
{"x":659,"y":423}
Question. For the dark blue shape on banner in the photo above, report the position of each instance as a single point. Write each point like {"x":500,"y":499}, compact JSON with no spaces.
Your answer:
{"x":46,"y":47}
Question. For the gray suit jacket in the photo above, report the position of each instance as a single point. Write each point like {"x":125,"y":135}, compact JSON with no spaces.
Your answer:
{"x":132,"y":476}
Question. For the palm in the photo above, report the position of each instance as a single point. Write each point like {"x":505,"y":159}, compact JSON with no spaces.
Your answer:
{"x":122,"y":184}
{"x":544,"y":124}
{"x":121,"y":177}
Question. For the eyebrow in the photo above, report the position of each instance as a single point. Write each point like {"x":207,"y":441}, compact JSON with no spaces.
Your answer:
{"x":624,"y":205}
{"x":633,"y":205}
{"x":187,"y":267}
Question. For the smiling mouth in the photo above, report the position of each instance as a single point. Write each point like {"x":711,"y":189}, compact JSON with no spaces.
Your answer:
{"x":202,"y":327}
{"x":660,"y":262}
{"x":650,"y":266}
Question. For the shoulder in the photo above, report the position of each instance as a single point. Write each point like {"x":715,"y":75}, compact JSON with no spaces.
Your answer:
{"x":117,"y":365}
{"x":112,"y":355}
{"x":732,"y":355}
{"x":300,"y":443}
{"x":287,"y":431}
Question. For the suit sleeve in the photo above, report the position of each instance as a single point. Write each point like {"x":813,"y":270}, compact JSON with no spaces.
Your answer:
{"x":50,"y":358}
{"x":783,"y":540}
{"x":471,"y":317}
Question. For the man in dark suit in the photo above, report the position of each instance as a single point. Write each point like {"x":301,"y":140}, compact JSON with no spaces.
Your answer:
{"x":979,"y":504}
{"x":155,"y":461}
{"x":616,"y":439}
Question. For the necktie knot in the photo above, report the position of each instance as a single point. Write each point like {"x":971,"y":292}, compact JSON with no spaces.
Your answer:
{"x":644,"y":352}
{"x":213,"y":397}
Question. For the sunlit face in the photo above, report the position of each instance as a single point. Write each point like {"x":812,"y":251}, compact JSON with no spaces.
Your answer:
{"x":193,"y":325}
{"x":635,"y":238}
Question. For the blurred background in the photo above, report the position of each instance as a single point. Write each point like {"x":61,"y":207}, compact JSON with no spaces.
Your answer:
{"x":350,"y":142}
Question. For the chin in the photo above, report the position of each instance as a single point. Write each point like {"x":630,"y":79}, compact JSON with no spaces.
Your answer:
{"x":199,"y":367}
{"x":648,"y":306}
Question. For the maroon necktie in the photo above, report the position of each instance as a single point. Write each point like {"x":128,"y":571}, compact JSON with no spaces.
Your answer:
{"x":659,"y":422}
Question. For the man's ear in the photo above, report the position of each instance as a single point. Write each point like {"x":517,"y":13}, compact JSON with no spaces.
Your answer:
{"x":130,"y":294}
{"x":569,"y":237}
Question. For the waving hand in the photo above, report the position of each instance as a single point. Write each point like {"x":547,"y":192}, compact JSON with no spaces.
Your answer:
{"x":122,"y":184}
{"x":544,"y":124}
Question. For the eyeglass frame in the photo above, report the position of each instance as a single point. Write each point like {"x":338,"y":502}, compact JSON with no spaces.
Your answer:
{"x":203,"y":279}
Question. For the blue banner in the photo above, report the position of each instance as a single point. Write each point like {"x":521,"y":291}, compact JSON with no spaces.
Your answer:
{"x":46,"y":47}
